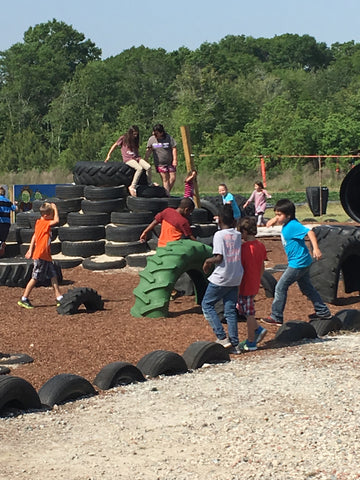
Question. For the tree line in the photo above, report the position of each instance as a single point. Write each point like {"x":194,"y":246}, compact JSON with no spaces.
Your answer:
{"x":241,"y":97}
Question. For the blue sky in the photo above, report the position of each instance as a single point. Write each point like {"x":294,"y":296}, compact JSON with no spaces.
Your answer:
{"x":115,"y":25}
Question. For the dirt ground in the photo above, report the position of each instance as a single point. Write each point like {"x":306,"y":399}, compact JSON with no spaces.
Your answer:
{"x":84,"y":343}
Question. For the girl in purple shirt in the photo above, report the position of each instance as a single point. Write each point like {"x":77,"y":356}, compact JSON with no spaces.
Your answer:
{"x":259,"y":197}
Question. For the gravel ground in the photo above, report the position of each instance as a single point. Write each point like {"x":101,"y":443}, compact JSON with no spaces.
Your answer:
{"x":290,"y":414}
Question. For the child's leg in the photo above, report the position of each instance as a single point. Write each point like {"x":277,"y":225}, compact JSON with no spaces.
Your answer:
{"x":252,"y":325}
{"x":31,"y":284}
{"x":213,"y":294}
{"x":288,"y":278}
{"x":230,"y":299}
{"x":55,"y":285}
{"x":311,"y":293}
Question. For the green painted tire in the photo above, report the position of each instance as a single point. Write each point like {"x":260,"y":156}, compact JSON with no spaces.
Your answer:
{"x":157,"y":280}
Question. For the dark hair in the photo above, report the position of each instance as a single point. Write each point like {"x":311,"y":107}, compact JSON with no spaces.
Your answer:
{"x":226,"y":215}
{"x":284,"y":205}
{"x":248,"y":225}
{"x":130,"y":140}
{"x":159,"y":128}
{"x":259,"y":184}
{"x":187,"y":203}
{"x":223,"y":185}
{"x":2,"y":191}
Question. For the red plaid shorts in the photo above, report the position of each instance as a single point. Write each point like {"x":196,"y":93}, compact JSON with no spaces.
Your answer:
{"x":246,"y":304}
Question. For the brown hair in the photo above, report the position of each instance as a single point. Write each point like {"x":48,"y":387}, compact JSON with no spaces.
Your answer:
{"x":46,"y":209}
{"x":2,"y":191}
{"x":248,"y":225}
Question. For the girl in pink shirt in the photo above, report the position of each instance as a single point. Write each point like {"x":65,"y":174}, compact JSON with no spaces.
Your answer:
{"x":259,"y":197}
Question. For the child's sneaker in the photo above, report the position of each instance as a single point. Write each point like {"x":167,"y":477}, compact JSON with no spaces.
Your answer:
{"x":225,"y":342}
{"x":326,"y":316}
{"x":235,"y":350}
{"x":25,"y":303}
{"x":247,"y":346}
{"x":260,"y":333}
{"x":271,"y":321}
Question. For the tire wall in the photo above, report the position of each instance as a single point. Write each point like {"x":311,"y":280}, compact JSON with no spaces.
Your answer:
{"x":349,"y":193}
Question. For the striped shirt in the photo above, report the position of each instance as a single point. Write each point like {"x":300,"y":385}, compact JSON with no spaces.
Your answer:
{"x":5,"y":208}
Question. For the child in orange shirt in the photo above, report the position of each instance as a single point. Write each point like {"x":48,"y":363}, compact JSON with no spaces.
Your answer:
{"x":39,"y":251}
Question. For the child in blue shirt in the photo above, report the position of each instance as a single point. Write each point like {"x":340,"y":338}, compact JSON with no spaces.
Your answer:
{"x":293,"y":235}
{"x":228,"y":197}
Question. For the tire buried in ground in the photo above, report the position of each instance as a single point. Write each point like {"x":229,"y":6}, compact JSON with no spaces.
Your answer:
{"x":162,"y":362}
{"x":63,"y":388}
{"x":116,"y":374}
{"x":323,"y":327}
{"x":75,"y":297}
{"x":202,"y":352}
{"x":349,"y":318}
{"x":294,"y":331}
{"x":17,"y":393}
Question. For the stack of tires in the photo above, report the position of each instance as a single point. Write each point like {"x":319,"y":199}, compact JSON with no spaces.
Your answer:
{"x":99,"y":220}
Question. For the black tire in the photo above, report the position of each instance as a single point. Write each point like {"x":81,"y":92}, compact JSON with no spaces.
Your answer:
{"x":157,"y":280}
{"x":211,"y":208}
{"x":107,"y":206}
{"x":69,"y":191}
{"x":81,"y":233}
{"x":97,"y":263}
{"x":154,"y":205}
{"x":102,"y":174}
{"x":123,"y":249}
{"x":138,"y":259}
{"x":75,"y":297}
{"x":174,"y":202}
{"x":15,"y":358}
{"x":25,"y":235}
{"x":63,"y":206}
{"x":185,"y":285}
{"x":124,"y":233}
{"x":116,"y":374}
{"x":162,"y":362}
{"x":349,"y":319}
{"x":323,"y":327}
{"x":23,"y":219}
{"x":55,"y":248}
{"x":294,"y":331}
{"x":150,"y":192}
{"x":340,"y":247}
{"x":69,"y":262}
{"x":132,"y":218}
{"x":11,"y":250}
{"x":105,"y":193}
{"x":83,"y":249}
{"x":349,"y":193}
{"x":17,"y":393}
{"x":88,"y":219}
{"x":200,"y":215}
{"x":202,"y":352}
{"x":268,"y":282}
{"x":4,"y":370}
{"x":64,"y":388}
{"x":206,"y":230}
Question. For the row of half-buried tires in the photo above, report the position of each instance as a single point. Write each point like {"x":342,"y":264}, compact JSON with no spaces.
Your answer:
{"x":16,"y":394}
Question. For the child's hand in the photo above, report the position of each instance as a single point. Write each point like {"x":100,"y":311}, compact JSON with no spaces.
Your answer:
{"x":317,"y":253}
{"x":28,"y":254}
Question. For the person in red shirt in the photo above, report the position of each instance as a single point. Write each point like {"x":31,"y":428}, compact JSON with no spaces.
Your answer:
{"x":39,"y":251}
{"x":253,"y":255}
{"x":174,"y":223}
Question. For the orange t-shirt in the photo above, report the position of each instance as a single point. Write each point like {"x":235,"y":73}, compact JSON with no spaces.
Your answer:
{"x":173,"y":226}
{"x":42,"y":240}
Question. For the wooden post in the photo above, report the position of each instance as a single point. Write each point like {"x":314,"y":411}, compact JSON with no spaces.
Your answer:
{"x":189,"y":160}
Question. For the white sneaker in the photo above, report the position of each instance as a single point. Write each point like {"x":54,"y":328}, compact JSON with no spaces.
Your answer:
{"x":225,"y":342}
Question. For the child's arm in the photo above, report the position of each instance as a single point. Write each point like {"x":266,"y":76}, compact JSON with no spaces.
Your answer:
{"x":30,"y":250}
{"x":209,"y":262}
{"x":272,"y":222}
{"x":313,"y":240}
{"x":55,"y":220}
{"x":147,"y":230}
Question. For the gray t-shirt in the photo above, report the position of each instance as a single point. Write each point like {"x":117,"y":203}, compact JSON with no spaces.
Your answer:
{"x":229,"y":272}
{"x":162,"y":149}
